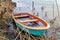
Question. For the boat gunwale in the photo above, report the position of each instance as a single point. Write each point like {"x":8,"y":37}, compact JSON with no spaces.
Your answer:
{"x":36,"y":28}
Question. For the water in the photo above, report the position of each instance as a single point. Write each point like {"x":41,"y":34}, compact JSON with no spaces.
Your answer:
{"x":26,"y":6}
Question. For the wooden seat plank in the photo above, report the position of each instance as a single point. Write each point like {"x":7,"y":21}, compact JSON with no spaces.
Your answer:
{"x":30,"y":20}
{"x":21,"y":16}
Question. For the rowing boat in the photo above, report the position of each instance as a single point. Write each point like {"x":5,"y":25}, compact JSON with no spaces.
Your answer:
{"x":29,"y":23}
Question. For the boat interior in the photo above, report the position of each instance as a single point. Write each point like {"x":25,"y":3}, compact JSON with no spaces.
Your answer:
{"x":28,"y":20}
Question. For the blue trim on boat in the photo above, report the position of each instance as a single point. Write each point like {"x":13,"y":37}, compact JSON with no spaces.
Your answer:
{"x":32,"y":31}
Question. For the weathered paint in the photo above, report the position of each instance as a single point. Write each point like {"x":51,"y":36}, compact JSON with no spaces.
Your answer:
{"x":32,"y":31}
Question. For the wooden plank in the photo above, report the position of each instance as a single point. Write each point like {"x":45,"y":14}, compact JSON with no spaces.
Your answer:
{"x":30,"y":20}
{"x":21,"y":16}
